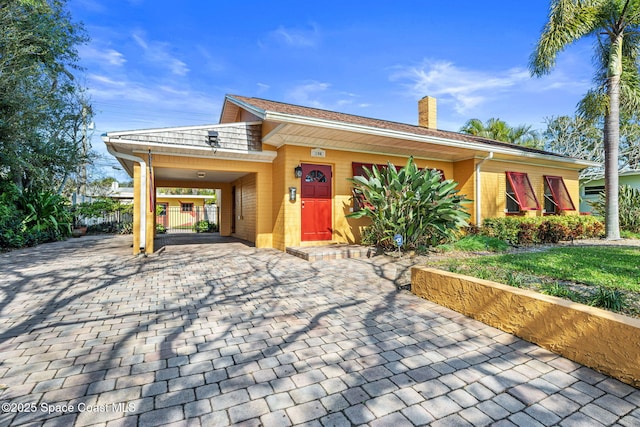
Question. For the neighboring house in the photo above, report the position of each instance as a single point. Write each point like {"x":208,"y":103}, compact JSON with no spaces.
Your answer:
{"x":93,"y":193}
{"x":590,"y":189}
{"x":282,"y":169}
{"x":123,"y":194}
{"x":183,"y":211}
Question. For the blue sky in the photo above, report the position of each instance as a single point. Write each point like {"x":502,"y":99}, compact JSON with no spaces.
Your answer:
{"x":160,"y":63}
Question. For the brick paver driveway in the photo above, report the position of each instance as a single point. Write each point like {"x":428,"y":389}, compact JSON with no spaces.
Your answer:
{"x":226,"y":334}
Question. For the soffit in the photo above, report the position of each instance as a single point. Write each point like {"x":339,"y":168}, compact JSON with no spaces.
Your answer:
{"x":421,"y":147}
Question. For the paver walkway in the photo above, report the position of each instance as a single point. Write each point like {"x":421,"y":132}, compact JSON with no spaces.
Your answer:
{"x":227,"y":334}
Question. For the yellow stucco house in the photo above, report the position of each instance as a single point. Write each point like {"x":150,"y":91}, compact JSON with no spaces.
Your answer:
{"x":282,"y":170}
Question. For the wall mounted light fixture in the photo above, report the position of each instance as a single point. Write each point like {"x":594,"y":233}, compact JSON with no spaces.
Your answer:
{"x":292,"y":194}
{"x":298,"y":171}
{"x":212,"y":139}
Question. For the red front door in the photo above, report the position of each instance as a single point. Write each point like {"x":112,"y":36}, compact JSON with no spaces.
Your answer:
{"x":315,"y":195}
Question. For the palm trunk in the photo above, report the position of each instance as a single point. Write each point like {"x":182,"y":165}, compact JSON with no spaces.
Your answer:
{"x":611,"y":149}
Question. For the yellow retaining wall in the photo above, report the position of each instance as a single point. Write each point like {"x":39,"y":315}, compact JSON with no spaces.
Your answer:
{"x":602,"y":340}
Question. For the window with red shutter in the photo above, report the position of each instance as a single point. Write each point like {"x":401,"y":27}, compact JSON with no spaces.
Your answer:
{"x":520,"y":194}
{"x":556,"y":195}
{"x":358,"y":169}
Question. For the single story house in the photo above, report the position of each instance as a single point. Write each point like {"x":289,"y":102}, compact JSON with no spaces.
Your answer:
{"x":282,"y":170}
{"x":182,"y":211}
{"x":591,"y":188}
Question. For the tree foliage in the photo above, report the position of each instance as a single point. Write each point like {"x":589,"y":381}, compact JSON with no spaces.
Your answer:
{"x":613,"y":25}
{"x":412,"y":202}
{"x":42,"y":107}
{"x":499,"y":130}
{"x":581,"y":138}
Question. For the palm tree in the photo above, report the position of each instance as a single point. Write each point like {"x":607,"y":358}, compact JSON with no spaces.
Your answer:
{"x":614,"y":24}
{"x":499,"y":130}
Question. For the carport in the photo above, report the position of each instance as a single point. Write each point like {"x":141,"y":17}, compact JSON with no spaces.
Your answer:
{"x":226,"y":157}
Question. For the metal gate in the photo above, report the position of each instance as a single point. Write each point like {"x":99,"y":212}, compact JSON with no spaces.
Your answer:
{"x":187,"y":218}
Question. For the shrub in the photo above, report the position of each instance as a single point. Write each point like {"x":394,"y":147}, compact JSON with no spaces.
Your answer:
{"x":410,"y":202}
{"x":558,"y":290}
{"x":103,"y":211}
{"x":126,"y":228}
{"x":611,"y":299}
{"x":161,"y":229}
{"x":11,"y":235}
{"x":628,"y":208}
{"x":547,"y":229}
{"x":205,"y":226}
{"x":507,"y":229}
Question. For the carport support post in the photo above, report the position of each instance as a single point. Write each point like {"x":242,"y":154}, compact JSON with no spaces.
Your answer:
{"x":224,"y":205}
{"x":151,"y":218}
{"x":140,"y":208}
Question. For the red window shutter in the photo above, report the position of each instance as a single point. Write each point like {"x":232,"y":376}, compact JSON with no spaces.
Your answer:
{"x":523,"y":191}
{"x":358,"y":168}
{"x":560,"y":193}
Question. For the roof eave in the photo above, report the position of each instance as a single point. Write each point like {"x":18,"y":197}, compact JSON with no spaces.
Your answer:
{"x":256,"y":111}
{"x":330,"y":124}
{"x":183,"y":150}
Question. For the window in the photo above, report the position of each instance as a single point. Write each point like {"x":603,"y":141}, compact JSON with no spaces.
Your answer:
{"x":315,"y":176}
{"x":162,"y":209}
{"x":186,"y":207}
{"x":593,"y":190}
{"x":520,"y":195}
{"x":556,"y":196}
{"x":358,"y":169}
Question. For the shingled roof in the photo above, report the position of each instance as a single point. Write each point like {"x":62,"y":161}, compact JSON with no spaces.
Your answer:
{"x":266,"y":105}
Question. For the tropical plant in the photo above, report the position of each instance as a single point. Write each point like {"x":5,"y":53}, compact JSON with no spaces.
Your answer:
{"x":411,"y":202}
{"x":46,"y":215}
{"x":629,"y":208}
{"x":499,"y":130}
{"x":614,"y":24}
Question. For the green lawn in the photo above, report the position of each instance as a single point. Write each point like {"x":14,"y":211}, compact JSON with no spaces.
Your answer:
{"x":611,"y":267}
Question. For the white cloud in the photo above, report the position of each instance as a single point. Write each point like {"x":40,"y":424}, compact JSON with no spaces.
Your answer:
{"x":140,"y":41}
{"x":104,"y":80}
{"x":466,"y":88}
{"x":158,"y":52}
{"x":307,"y":94}
{"x":471,"y":92}
{"x":104,"y":56}
{"x":296,"y":37}
{"x":262,"y":87}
